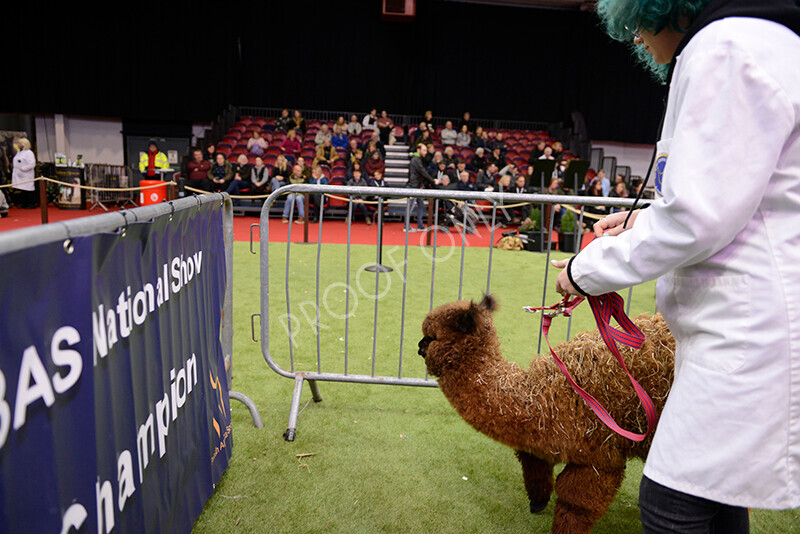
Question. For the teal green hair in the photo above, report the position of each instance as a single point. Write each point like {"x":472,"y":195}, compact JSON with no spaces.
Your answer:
{"x":650,"y":15}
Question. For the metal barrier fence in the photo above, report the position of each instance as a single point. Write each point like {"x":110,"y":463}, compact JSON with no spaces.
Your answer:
{"x":107,"y":178}
{"x":311,"y":366}
{"x":116,"y":222}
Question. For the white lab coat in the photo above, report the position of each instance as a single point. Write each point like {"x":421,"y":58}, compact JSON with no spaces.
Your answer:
{"x":724,"y":241}
{"x":24,"y":170}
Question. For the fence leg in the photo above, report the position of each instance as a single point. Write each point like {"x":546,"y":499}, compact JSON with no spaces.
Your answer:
{"x":244,"y":399}
{"x":315,"y":391}
{"x":291,"y":429}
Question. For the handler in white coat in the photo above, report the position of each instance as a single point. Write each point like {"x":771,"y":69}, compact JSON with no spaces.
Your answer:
{"x":24,"y":171}
{"x":723,"y":239}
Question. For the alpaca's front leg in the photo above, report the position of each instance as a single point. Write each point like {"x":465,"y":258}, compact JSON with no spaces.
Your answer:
{"x":584,"y":495}
{"x":538,"y":477}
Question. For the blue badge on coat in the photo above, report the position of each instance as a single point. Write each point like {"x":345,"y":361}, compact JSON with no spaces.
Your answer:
{"x":661,"y":164}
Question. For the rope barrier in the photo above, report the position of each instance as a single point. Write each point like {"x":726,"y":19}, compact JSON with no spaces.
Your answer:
{"x":89,"y":187}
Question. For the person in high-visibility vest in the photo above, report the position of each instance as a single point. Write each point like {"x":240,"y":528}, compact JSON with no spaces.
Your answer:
{"x":151,"y":160}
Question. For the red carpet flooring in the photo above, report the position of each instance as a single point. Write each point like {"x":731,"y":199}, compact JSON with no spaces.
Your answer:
{"x":332,"y":232}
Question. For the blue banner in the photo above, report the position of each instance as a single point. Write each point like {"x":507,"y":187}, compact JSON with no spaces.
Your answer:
{"x":114,"y":409}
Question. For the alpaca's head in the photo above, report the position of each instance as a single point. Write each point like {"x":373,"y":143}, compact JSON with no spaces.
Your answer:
{"x":457,"y":334}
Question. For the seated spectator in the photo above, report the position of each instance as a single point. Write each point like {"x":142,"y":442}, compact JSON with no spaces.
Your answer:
{"x":530,"y":181}
{"x":497,"y":158}
{"x":291,"y":145}
{"x":241,"y":176}
{"x":220,"y":174}
{"x":596,"y":190}
{"x":280,"y":171}
{"x":341,"y":123}
{"x":433,"y":165}
{"x":487,"y":179}
{"x":284,"y":123}
{"x":537,"y":152}
{"x":259,"y":177}
{"x":484,"y":141}
{"x":465,"y":183}
{"x":323,"y":134}
{"x":352,"y":146}
{"x":450,"y":157}
{"x":209,"y":154}
{"x":375,"y":163}
{"x":385,"y":125}
{"x":301,"y":161}
{"x":315,"y":200}
{"x":466,"y":121}
{"x":561,"y":169}
{"x":353,"y":127}
{"x":357,"y":165}
{"x":558,"y":150}
{"x":522,"y":212}
{"x":463,"y":139}
{"x":555,"y":188}
{"x":370,"y":120}
{"x":477,"y":138}
{"x":547,"y":154}
{"x":357,"y":201}
{"x":479,"y":161}
{"x":455,"y":174}
{"x":446,"y":183}
{"x":503,"y":213}
{"x":339,"y":139}
{"x":295,"y":178}
{"x":376,"y":138}
{"x":326,"y":154}
{"x":605,"y":184}
{"x":511,"y":170}
{"x":197,"y":171}
{"x":299,"y":122}
{"x":377,"y":180}
{"x":449,"y":135}
{"x":256,"y":144}
{"x":499,"y":142}
{"x":425,"y":139}
{"x":620,"y":191}
{"x":440,"y":171}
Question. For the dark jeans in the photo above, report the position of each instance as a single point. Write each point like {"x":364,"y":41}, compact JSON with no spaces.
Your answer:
{"x":664,"y":510}
{"x":418,"y":204}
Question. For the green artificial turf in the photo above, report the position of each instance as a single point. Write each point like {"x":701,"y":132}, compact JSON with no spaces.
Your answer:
{"x":386,"y":458}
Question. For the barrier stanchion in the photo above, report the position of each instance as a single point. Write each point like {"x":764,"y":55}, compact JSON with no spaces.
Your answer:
{"x":379,"y":267}
{"x":43,"y":201}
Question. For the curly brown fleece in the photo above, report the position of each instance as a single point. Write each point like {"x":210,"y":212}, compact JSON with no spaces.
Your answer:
{"x":536,"y":412}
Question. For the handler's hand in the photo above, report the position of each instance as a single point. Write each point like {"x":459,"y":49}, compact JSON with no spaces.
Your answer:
{"x":563,"y":285}
{"x":612,"y":225}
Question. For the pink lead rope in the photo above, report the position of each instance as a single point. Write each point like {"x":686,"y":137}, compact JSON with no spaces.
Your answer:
{"x":604,"y":308}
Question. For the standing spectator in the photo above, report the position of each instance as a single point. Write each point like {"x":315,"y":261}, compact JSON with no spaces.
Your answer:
{"x":220,"y":174}
{"x":256,"y":144}
{"x":315,"y":200}
{"x":197,"y":175}
{"x":427,"y":118}
{"x":418,"y":178}
{"x":297,"y":199}
{"x":326,"y":154}
{"x":354,"y":127}
{"x":449,"y":135}
{"x":463,"y":139}
{"x":467,"y":121}
{"x":284,"y":123}
{"x":374,"y":163}
{"x":291,"y":145}
{"x":370,"y":121}
{"x":23,"y":171}
{"x":339,"y":139}
{"x":151,"y":160}
{"x":385,"y":126}
{"x":323,"y":134}
{"x":299,"y":123}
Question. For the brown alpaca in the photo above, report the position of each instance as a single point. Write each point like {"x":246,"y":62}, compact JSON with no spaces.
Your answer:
{"x":537,"y":413}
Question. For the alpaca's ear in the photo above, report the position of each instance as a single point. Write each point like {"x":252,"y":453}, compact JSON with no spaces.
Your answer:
{"x":467,"y":320}
{"x":489,"y":302}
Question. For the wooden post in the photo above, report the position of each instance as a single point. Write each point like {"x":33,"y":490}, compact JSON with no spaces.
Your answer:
{"x":43,"y":199}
